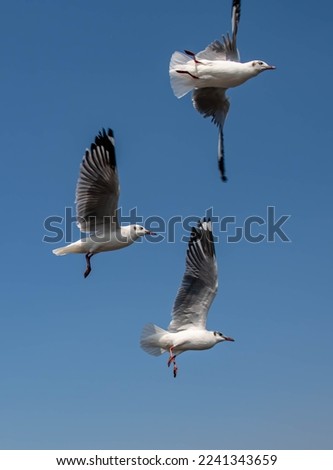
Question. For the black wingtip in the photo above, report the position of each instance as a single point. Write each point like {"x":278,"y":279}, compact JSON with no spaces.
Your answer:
{"x":109,"y":133}
{"x":221,"y":163}
{"x":204,"y":225}
{"x":203,"y":220}
{"x":103,"y":134}
{"x":104,"y":139}
{"x":198,"y":231}
{"x":203,"y":233}
{"x":236,"y":6}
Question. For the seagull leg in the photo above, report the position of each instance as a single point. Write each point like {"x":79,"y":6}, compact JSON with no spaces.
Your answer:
{"x":87,"y":271}
{"x":172,"y":359}
{"x":191,"y":54}
{"x":189,"y":73}
{"x":175,"y":368}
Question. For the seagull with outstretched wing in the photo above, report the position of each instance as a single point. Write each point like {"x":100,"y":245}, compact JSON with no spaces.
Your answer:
{"x":210,"y":73}
{"x":97,"y":194}
{"x":187,"y":329}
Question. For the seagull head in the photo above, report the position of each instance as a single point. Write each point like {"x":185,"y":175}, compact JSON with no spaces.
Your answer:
{"x":139,"y":231}
{"x":259,"y":66}
{"x":221,"y":337}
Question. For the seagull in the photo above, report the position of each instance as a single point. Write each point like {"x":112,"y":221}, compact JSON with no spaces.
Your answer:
{"x":97,"y":194}
{"x":187,"y":330}
{"x":210,"y":73}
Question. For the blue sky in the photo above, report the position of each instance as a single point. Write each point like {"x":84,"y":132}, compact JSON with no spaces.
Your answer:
{"x":72,"y":373}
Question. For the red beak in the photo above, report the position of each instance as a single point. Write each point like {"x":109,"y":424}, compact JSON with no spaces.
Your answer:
{"x":227,"y":338}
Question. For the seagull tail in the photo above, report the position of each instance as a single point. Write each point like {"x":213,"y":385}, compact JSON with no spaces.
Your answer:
{"x":150,"y":339}
{"x":181,"y":81}
{"x":80,"y":246}
{"x":61,"y":251}
{"x":75,"y":247}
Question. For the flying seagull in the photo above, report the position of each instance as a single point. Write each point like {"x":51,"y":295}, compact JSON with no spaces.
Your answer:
{"x":97,"y":194}
{"x":210,"y":73}
{"x":187,"y":330}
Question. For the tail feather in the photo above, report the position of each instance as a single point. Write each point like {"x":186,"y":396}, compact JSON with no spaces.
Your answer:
{"x":181,"y":83}
{"x":61,"y":251}
{"x":149,"y":340}
{"x":76,"y":247}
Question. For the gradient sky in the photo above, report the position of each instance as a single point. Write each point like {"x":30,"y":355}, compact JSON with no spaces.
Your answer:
{"x":72,"y":373}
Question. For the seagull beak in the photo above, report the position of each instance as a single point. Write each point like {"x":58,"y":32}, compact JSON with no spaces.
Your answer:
{"x":148,"y":232}
{"x":227,"y":338}
{"x":270,"y":67}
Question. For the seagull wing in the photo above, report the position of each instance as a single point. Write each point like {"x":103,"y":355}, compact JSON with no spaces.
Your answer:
{"x":199,"y":284}
{"x":227,"y":48}
{"x":97,"y":190}
{"x":215,"y":51}
{"x":214,"y":103}
{"x":235,"y":16}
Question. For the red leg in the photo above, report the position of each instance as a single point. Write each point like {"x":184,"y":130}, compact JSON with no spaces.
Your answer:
{"x":172,"y":357}
{"x":189,"y":73}
{"x":175,"y":368}
{"x":191,"y":54}
{"x":87,"y":271}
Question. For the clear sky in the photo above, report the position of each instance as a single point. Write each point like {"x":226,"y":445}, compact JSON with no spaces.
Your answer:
{"x":72,"y":373}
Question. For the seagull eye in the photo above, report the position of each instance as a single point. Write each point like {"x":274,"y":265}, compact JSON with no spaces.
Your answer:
{"x":134,"y":227}
{"x":260,"y":63}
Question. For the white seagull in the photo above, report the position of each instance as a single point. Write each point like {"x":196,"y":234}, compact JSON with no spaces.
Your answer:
{"x":97,"y":194}
{"x":187,"y":330}
{"x":210,"y":73}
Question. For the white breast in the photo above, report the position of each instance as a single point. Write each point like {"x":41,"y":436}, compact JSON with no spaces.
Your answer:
{"x":221,"y":74}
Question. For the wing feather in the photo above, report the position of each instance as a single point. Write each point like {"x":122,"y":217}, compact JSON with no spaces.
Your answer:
{"x":213,"y":102}
{"x":227,"y":48}
{"x":199,"y":284}
{"x":97,"y":190}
